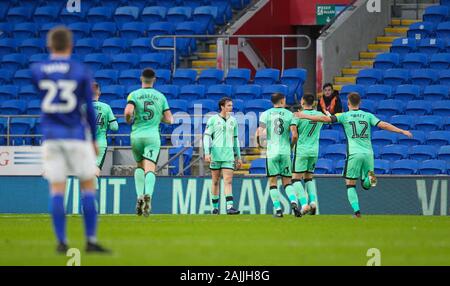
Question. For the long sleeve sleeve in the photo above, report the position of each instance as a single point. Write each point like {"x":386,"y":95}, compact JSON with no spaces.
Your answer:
{"x":207,"y":138}
{"x":236,"y":147}
{"x":90,"y":112}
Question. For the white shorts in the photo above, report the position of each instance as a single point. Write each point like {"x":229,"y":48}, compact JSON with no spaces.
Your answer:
{"x":68,"y":157}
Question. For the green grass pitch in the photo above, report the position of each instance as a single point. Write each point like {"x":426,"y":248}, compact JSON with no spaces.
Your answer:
{"x":233,"y":240}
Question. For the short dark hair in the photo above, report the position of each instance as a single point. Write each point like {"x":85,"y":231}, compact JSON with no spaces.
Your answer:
{"x":354,"y":98}
{"x":224,"y":101}
{"x":327,"y":85}
{"x":59,"y":39}
{"x":96,"y":85}
{"x":309,"y":99}
{"x":277,"y":97}
{"x":148,"y":74}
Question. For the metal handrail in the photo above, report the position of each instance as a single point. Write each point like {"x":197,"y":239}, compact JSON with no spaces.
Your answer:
{"x":228,"y":37}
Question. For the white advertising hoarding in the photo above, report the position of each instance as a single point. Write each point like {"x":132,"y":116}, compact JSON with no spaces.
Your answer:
{"x":20,"y":161}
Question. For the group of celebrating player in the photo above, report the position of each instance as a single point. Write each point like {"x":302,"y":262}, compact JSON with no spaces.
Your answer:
{"x":75,"y":123}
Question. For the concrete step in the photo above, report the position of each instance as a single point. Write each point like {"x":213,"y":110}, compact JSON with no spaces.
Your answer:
{"x":386,"y":39}
{"x":350,"y":71}
{"x":379,"y":47}
{"x":368,"y":55}
{"x":241,"y":172}
{"x":245,"y":166}
{"x":204,"y":64}
{"x":403,"y":22}
{"x":395,"y":31}
{"x":362,"y":64}
{"x":207,"y":55}
{"x":213,"y":48}
{"x":344,"y":80}
{"x":337,"y":87}
{"x":249,"y":158}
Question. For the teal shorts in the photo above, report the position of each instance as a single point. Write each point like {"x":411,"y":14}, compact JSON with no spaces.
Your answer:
{"x":146,"y":148}
{"x":215,"y":165}
{"x":279,"y":165}
{"x":101,"y":156}
{"x":305,"y":164}
{"x":357,"y":166}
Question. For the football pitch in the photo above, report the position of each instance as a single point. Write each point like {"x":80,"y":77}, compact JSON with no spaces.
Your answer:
{"x":233,"y":240}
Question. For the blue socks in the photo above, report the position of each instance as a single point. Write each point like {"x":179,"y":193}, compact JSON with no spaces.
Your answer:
{"x":58,"y":213}
{"x":90,"y":215}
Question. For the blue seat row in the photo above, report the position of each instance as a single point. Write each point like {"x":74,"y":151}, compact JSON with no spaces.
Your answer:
{"x":403,"y":92}
{"x":396,"y":76}
{"x":412,"y":61}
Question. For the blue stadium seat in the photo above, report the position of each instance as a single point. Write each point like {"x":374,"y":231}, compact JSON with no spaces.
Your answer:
{"x":418,"y":139}
{"x":403,"y":46}
{"x":346,"y":89}
{"x":112,"y":92}
{"x":25,"y":30}
{"x":431,"y":46}
{"x":97,"y":61}
{"x":210,"y":77}
{"x":420,"y":30}
{"x":324,"y":166}
{"x":206,"y":105}
{"x":32,"y":46}
{"x":446,"y":123}
{"x":163,"y":76}
{"x":394,"y":152}
{"x":184,"y":76}
{"x":154,"y":61}
{"x":378,"y":92}
{"x":403,"y":121}
{"x":179,"y":14}
{"x":99,"y":14}
{"x":126,"y":14}
{"x":106,"y":77}
{"x":169,"y":90}
{"x":268,"y":90}
{"x":178,"y":105}
{"x":13,"y":107}
{"x":444,"y":153}
{"x":130,"y":77}
{"x":141,"y":46}
{"x":438,"y":138}
{"x":429,"y":123}
{"x":68,"y":17}
{"x":418,"y":107}
{"x":404,"y":167}
{"x":34,"y":107}
{"x":257,"y":105}
{"x":5,"y":76}
{"x":19,"y":14}
{"x":8,"y":92}
{"x":382,"y":167}
{"x":238,"y":105}
{"x":28,"y":92}
{"x":22,"y":77}
{"x":443,"y":30}
{"x":154,"y":14}
{"x":415,"y":61}
{"x":384,"y":137}
{"x":167,"y":3}
{"x":237,"y":76}
{"x":195,"y":3}
{"x":248,"y":91}
{"x":390,"y":107}
{"x":224,"y":11}
{"x":3,"y":123}
{"x":339,"y":167}
{"x":160,"y":28}
{"x":118,"y":106}
{"x":103,"y":30}
{"x":436,"y":14}
{"x":192,"y":92}
{"x":87,"y":46}
{"x":115,"y":45}
{"x":422,"y":152}
{"x":294,"y":78}
{"x":433,"y":167}
{"x":182,"y":45}
{"x":424,"y":77}
{"x":21,"y":126}
{"x":175,"y":165}
{"x":258,"y":166}
{"x":407,"y":92}
{"x":369,"y":76}
{"x":206,"y":17}
{"x":124,"y":128}
{"x":8,"y":46}
{"x":110,"y":3}
{"x":328,"y":137}
{"x":367,"y":105}
{"x":216,"y":92}
{"x":441,"y":107}
{"x":440,"y":61}
{"x":444,"y":77}
{"x":131,"y":88}
{"x":37,"y":58}
{"x":79,"y":29}
{"x":6,"y":29}
{"x":267,"y":76}
{"x":125,"y":61}
{"x":14,"y":62}
{"x":46,"y":14}
{"x":133,"y":30}
{"x":396,"y":77}
{"x":336,"y":152}
{"x":189,"y":28}
{"x":386,"y":61}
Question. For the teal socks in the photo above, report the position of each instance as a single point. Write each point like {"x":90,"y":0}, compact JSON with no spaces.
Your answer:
{"x":139,"y":181}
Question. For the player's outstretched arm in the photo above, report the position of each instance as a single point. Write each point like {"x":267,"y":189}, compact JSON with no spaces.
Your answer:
{"x":261,"y":132}
{"x":316,"y":118}
{"x":392,"y":128}
{"x":167,"y":117}
{"x":294,"y":133}
{"x":129,"y":111}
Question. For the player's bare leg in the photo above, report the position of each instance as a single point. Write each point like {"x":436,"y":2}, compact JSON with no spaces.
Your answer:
{"x":58,"y":190}
{"x":353,"y":196}
{"x":300,"y":191}
{"x":312,"y":193}
{"x":228,"y":190}
{"x":150,"y":178}
{"x":139,"y":182}
{"x":215,"y":190}
{"x":290,"y":191}
{"x":275,"y":196}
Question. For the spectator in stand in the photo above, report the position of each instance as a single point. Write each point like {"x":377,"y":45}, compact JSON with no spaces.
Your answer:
{"x":329,"y":102}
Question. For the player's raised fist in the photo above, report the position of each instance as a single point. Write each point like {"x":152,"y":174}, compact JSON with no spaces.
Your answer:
{"x":407,"y":133}
{"x":208,"y":158}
